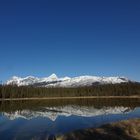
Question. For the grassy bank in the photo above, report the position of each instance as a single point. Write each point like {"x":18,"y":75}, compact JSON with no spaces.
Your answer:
{"x":70,"y":98}
{"x":124,"y":130}
{"x":124,"y":89}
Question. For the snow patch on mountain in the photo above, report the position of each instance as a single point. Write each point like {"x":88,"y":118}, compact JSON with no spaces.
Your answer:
{"x":54,"y":81}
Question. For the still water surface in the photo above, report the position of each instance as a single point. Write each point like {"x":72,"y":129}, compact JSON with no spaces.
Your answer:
{"x":20,"y":120}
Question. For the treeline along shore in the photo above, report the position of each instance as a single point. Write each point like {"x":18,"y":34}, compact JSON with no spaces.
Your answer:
{"x":124,"y":89}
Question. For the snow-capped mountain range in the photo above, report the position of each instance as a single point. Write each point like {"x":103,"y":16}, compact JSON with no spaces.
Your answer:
{"x":54,"y":81}
{"x":53,"y":112}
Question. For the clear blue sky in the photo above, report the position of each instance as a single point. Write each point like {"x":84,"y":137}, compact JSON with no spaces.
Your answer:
{"x":70,"y":37}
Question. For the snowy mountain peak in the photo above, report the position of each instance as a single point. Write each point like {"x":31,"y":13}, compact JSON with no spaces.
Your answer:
{"x":15,"y":77}
{"x":54,"y":81}
{"x":53,"y":77}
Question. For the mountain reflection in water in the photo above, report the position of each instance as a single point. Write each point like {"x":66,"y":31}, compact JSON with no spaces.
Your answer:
{"x":41,"y":119}
{"x":53,"y":112}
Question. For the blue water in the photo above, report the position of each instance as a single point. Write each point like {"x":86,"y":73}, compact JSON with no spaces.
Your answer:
{"x":40,"y":127}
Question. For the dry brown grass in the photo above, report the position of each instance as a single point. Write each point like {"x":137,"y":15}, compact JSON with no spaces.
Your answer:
{"x":124,"y":130}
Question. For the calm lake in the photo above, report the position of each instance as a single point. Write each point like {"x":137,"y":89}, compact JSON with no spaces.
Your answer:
{"x":37,"y":120}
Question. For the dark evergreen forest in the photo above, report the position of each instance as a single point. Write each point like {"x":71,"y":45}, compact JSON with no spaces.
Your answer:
{"x":124,"y":89}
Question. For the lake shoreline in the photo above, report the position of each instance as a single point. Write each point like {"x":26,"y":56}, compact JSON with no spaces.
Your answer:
{"x":125,"y":129}
{"x":80,"y":97}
